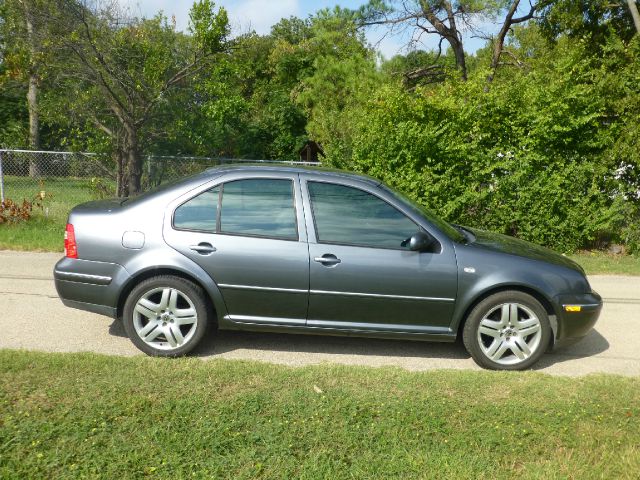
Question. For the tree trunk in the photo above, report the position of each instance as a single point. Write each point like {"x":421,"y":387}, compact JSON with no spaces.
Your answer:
{"x":34,"y":114}
{"x":458,"y":51}
{"x":449,"y":33}
{"x":634,"y":13}
{"x":499,"y":43}
{"x":133,"y":170}
{"x":35,"y":167}
{"x":118,"y":157}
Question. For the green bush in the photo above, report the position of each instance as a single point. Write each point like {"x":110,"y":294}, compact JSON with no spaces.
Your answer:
{"x":532,"y":155}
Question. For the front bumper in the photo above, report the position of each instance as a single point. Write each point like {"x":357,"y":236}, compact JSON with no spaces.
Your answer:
{"x":578,"y":314}
{"x":89,"y":285}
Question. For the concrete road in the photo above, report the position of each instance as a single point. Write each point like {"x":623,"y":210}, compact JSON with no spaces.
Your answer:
{"x":34,"y":318}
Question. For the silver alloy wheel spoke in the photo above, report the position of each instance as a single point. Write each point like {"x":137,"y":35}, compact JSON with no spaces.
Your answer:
{"x":489,"y":331}
{"x":144,"y":331}
{"x":509,"y":333}
{"x":153,"y":335}
{"x":525,"y":332}
{"x":147,"y":312}
{"x":184,"y":312}
{"x":168,"y":334}
{"x":500,"y":347}
{"x":159,"y":316}
{"x":493,"y":325}
{"x":513,"y":313}
{"x":179,"y":321}
{"x":164,"y":301}
{"x":177,"y":334}
{"x":519,"y":345}
{"x":505,"y":314}
{"x":173,"y":300}
{"x":524,"y":323}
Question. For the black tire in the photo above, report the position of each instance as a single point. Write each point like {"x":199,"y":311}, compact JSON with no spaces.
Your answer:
{"x":521,"y":342}
{"x":173,"y":338}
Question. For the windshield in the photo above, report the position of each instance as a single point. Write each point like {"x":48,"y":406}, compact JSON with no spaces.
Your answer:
{"x":445,"y":227}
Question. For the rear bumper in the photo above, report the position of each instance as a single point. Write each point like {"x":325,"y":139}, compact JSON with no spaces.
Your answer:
{"x":89,"y":285}
{"x":578,"y":314}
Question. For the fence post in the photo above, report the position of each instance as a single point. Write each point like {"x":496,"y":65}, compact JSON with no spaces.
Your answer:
{"x":1,"y":179}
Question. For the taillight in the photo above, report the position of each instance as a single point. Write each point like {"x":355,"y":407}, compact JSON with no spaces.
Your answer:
{"x":70,"y":246}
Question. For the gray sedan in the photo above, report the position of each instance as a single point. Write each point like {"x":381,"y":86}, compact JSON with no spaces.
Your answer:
{"x":301,"y":250}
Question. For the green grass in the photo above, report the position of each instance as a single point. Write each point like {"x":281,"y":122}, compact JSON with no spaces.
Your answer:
{"x":84,"y":415}
{"x":45,"y":230}
{"x":599,"y":263}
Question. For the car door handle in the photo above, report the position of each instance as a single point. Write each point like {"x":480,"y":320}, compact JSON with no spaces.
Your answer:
{"x":327,"y":259}
{"x":203,"y":248}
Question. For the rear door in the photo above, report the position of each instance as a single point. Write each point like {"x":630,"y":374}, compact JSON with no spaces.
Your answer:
{"x":361,"y":276}
{"x":248,"y":233}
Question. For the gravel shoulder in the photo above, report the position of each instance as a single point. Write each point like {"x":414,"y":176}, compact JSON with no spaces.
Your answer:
{"x":34,"y":318}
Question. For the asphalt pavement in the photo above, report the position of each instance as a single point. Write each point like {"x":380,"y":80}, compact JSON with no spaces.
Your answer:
{"x":33,"y":318}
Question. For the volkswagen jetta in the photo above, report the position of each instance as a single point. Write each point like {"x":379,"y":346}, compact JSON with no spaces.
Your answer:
{"x":283,"y":249}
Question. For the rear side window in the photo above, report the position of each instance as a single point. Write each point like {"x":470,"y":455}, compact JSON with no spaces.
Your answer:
{"x":262,"y":207}
{"x":199,"y":213}
{"x":350,"y":216}
{"x":256,"y":207}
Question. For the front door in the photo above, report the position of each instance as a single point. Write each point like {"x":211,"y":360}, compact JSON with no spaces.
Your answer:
{"x":247,"y":235}
{"x":361,"y":275}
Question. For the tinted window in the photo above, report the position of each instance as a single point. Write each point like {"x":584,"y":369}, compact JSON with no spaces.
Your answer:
{"x":443,"y":226}
{"x":259,"y":207}
{"x":199,"y":213}
{"x":348,"y":215}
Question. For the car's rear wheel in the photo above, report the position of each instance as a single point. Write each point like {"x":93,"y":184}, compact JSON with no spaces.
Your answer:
{"x":166,"y":316}
{"x":507,"y":331}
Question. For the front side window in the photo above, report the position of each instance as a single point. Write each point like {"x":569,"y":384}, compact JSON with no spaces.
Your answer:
{"x":350,"y":216}
{"x":262,"y":207}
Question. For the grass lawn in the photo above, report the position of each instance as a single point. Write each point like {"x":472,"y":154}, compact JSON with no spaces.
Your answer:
{"x":604,"y":263}
{"x":45,"y":230}
{"x":84,"y":415}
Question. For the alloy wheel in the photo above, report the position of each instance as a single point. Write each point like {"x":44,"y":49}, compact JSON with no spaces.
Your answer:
{"x":509,"y":333}
{"x":165,"y":318}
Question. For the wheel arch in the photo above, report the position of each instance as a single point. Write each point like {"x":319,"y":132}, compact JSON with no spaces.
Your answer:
{"x":539,"y":296}
{"x":216,"y":306}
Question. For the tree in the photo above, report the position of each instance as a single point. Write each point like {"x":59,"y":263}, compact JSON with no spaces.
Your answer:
{"x":343,"y":75}
{"x":443,"y":18}
{"x":509,"y":21}
{"x":633,"y":8}
{"x":247,"y":101}
{"x":122,"y":70}
{"x":275,"y":91}
{"x":591,"y":20}
{"x":26,"y":55}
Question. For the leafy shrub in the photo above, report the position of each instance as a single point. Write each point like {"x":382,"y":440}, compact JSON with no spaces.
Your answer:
{"x":533,"y":156}
{"x":13,"y":212}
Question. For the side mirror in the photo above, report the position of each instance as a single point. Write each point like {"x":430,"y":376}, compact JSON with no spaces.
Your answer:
{"x":420,"y":241}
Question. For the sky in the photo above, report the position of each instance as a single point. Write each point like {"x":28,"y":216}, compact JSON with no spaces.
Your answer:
{"x":260,"y":15}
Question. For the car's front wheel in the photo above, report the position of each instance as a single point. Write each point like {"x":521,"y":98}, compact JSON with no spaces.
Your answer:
{"x":507,"y":331}
{"x":166,"y":316}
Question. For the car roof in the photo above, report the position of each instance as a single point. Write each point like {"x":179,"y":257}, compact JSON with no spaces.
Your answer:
{"x":286,"y":168}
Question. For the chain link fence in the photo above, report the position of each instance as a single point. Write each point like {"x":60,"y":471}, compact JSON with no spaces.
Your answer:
{"x":57,"y":181}
{"x":69,"y":176}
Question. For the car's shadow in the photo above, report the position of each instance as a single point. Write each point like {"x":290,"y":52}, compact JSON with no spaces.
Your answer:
{"x":593,"y":344}
{"x":117,"y":329}
{"x":224,"y":341}
{"x":228,"y":341}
